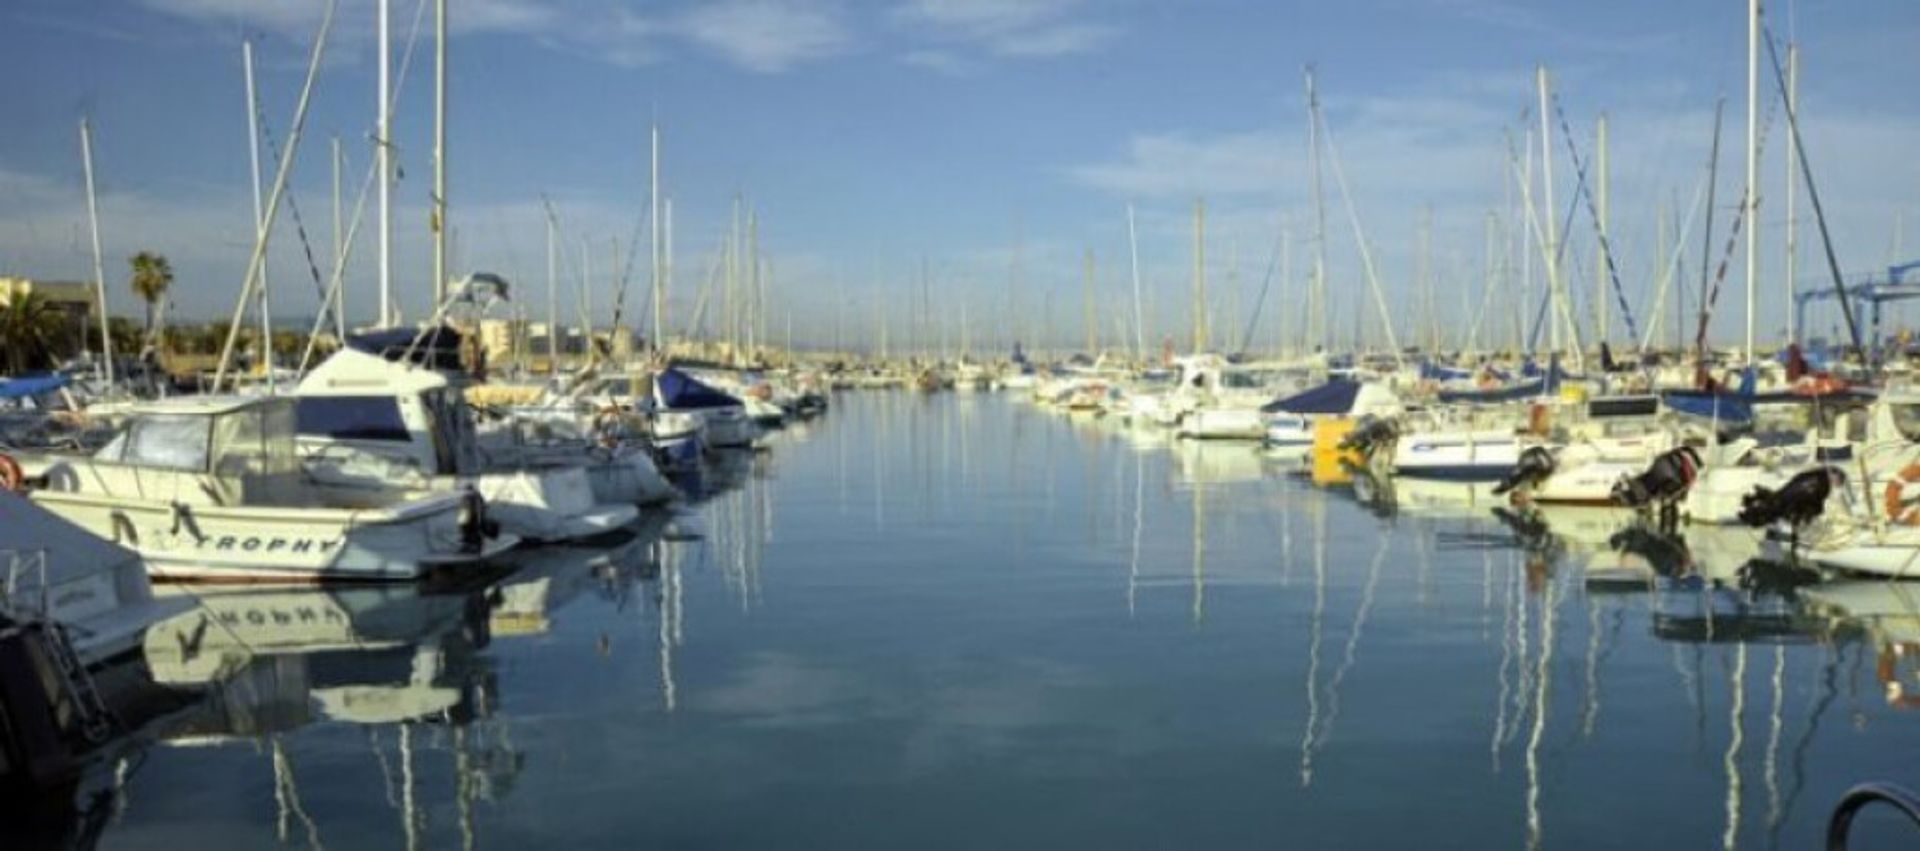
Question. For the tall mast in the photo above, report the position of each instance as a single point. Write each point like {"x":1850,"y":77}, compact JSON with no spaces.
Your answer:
{"x":259,"y":214}
{"x":1139,"y":319}
{"x":439,"y":154}
{"x":1601,"y":278}
{"x":339,"y":247}
{"x":653,"y":219}
{"x":1551,"y":213}
{"x":1317,"y":297}
{"x":383,"y":150}
{"x":752,"y":300}
{"x":733,"y":275}
{"x":1199,"y":275}
{"x":1753,"y":165}
{"x":666,"y":276}
{"x":1093,"y":333}
{"x":1426,"y":281}
{"x":99,"y":263}
{"x":553,"y":298}
{"x":1793,"y":209}
{"x":1286,"y":280}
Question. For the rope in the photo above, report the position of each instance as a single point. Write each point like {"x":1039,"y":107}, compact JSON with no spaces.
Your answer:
{"x":1600,"y":230}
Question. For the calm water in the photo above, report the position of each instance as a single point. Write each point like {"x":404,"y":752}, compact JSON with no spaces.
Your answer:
{"x":964,"y":622}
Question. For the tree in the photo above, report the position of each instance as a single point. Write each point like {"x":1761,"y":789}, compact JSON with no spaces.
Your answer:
{"x":32,"y":331}
{"x":152,"y":276}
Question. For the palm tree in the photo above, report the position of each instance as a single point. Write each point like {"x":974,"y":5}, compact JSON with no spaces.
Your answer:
{"x":32,"y":332}
{"x":152,"y":276}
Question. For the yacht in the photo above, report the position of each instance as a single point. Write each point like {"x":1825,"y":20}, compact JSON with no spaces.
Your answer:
{"x":211,"y":488}
{"x":377,"y":429}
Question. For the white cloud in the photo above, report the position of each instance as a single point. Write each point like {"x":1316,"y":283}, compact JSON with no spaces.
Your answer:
{"x":767,"y":35}
{"x":1012,"y":28}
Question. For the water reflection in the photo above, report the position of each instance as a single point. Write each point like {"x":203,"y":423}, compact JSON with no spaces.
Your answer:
{"x":979,"y":622}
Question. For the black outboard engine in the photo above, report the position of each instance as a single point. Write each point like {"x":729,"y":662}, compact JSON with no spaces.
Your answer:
{"x":476,"y":528}
{"x":1665,"y":481}
{"x":1534,"y":466}
{"x":1369,"y":434}
{"x":1798,"y":502}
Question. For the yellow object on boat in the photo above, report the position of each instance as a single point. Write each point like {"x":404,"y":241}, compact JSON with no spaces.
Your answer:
{"x":1574,"y":393}
{"x":502,"y":395}
{"x":1330,"y":461}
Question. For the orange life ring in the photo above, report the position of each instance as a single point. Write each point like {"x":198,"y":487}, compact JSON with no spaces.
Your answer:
{"x":12,"y":478}
{"x":1900,"y":510}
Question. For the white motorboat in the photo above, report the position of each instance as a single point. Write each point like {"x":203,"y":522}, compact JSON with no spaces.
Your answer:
{"x":211,"y":488}
{"x":724,"y":420}
{"x":376,"y":431}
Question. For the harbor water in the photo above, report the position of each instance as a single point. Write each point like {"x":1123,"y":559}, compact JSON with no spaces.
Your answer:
{"x":963,"y":621}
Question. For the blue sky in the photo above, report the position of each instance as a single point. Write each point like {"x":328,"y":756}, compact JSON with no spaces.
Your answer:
{"x":986,"y":136}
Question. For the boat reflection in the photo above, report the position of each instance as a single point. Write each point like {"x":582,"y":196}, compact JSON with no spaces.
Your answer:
{"x":274,"y":660}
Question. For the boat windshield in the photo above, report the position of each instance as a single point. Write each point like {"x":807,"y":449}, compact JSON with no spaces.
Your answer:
{"x":255,"y":440}
{"x":170,"y":441}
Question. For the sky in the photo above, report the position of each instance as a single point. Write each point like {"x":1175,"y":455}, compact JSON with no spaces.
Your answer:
{"x":940,"y":166}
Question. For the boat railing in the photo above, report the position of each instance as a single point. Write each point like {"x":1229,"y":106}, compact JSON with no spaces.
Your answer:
{"x":26,"y":572}
{"x":1840,"y":825}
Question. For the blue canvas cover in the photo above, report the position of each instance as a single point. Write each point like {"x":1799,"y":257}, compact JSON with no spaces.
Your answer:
{"x":682,"y":392}
{"x":32,"y":385}
{"x":1723,"y":405}
{"x":1332,"y":398}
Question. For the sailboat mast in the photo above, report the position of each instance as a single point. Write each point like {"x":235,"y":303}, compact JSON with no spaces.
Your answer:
{"x":383,"y":150}
{"x":1551,"y":213}
{"x":1753,"y":166}
{"x":99,"y":263}
{"x":440,"y":154}
{"x":1139,"y":319}
{"x":1793,"y":209}
{"x":666,"y":277}
{"x":1199,"y":275}
{"x":655,"y":226}
{"x":553,"y":298}
{"x":339,"y":247}
{"x":1093,"y":332}
{"x":259,"y":214}
{"x":1600,"y":275}
{"x":1317,"y":298}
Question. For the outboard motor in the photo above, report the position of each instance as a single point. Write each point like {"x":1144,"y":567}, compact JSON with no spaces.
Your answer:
{"x":1370,"y":434}
{"x":475,"y":526}
{"x":1665,"y":482}
{"x":1798,"y":502}
{"x":1534,"y":466}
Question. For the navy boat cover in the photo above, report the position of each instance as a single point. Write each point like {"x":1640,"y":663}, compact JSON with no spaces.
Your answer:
{"x":1334,"y":397}
{"x":680,"y":391}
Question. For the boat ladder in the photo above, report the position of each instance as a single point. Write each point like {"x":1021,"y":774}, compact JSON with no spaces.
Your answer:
{"x":96,"y":720}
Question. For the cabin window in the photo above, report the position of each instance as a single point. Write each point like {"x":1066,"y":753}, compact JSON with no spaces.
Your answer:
{"x":176,"y":442}
{"x":1906,"y":418}
{"x":353,"y":418}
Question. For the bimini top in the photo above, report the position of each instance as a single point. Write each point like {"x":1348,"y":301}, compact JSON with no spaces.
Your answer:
{"x":680,"y":391}
{"x":1334,"y":397}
